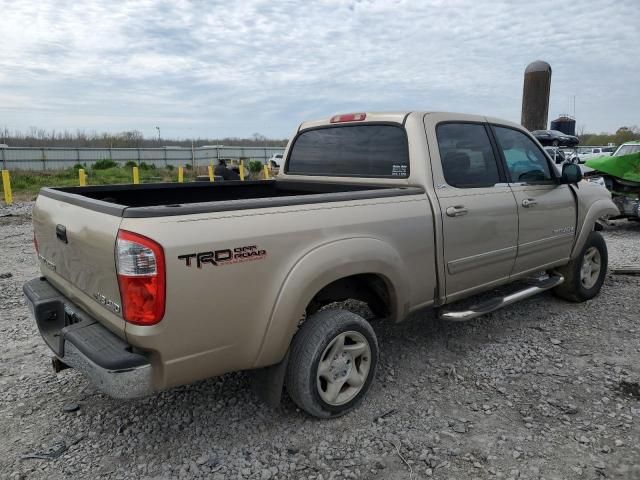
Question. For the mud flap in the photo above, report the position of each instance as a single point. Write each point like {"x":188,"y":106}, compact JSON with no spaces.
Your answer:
{"x":267,"y":383}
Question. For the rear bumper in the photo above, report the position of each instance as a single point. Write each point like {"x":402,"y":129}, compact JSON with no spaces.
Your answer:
{"x":79,"y":341}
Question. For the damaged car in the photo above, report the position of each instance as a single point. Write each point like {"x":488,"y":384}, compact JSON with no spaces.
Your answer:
{"x":620,"y":174}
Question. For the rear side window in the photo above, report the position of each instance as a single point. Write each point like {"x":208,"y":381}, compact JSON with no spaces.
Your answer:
{"x":467,"y":156}
{"x":351,"y":151}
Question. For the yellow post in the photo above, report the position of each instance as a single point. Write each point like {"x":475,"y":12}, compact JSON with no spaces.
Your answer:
{"x":266,"y":172}
{"x":82,"y":178}
{"x":6,"y":184}
{"x":241,"y":170}
{"x":211,"y":177}
{"x":180,"y":174}
{"x":136,"y":175}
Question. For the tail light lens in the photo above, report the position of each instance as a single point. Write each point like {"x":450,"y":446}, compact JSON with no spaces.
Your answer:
{"x":141,"y":278}
{"x":35,"y":243}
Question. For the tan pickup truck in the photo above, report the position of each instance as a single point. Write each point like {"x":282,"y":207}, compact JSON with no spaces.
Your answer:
{"x":145,"y":287}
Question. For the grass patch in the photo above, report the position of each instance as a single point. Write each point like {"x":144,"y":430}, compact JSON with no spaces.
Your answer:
{"x":26,"y":184}
{"x":103,"y":164}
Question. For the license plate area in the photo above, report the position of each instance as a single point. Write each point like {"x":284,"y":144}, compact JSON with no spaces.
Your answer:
{"x":54,"y":316}
{"x":51,"y":319}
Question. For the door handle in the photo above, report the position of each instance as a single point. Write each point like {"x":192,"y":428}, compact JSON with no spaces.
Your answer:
{"x":529,"y":202}
{"x":456,"y":211}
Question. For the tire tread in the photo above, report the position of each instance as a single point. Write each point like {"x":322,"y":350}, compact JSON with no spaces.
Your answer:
{"x":571,"y":289}
{"x":304,"y":348}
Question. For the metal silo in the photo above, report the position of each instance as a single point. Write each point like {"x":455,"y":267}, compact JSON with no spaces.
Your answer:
{"x":535,"y":95}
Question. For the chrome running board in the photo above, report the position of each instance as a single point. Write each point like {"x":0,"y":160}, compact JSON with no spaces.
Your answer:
{"x":492,"y":304}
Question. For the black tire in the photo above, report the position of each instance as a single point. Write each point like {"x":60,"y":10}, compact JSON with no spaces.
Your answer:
{"x":308,"y":346}
{"x":555,"y":143}
{"x":572,"y":288}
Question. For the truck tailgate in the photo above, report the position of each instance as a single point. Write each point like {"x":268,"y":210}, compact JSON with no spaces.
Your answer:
{"x":76,"y":254}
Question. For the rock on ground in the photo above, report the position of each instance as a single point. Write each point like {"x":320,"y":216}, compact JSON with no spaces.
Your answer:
{"x":530,"y":392}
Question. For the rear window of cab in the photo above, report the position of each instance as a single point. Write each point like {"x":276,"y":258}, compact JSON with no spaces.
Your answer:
{"x":369,"y":150}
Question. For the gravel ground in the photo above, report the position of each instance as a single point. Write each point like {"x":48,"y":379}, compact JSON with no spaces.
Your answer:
{"x":541,"y":390}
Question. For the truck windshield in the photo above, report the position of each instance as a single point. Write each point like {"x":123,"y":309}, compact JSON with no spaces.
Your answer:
{"x":351,"y":151}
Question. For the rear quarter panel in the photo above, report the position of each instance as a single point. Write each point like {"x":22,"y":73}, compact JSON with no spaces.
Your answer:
{"x":223,"y":317}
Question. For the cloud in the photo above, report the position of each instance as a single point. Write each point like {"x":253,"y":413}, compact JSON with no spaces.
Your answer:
{"x":214,"y":68}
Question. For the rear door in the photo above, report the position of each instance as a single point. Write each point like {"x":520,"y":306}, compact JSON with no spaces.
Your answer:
{"x":479,"y":213}
{"x":546,"y":209}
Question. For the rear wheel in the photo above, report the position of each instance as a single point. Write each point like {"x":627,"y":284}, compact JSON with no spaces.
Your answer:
{"x":332,"y":363}
{"x":584,"y":275}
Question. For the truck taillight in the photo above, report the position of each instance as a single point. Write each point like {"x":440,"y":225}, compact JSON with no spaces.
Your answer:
{"x":348,"y":117}
{"x":141,"y":278}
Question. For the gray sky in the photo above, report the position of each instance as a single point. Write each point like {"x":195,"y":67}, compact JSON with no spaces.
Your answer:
{"x":215,"y":69}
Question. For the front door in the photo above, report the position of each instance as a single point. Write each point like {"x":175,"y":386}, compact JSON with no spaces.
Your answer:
{"x":546,"y":209}
{"x":478,"y":209}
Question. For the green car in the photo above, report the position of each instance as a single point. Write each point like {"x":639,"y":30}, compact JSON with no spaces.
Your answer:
{"x":620,"y":173}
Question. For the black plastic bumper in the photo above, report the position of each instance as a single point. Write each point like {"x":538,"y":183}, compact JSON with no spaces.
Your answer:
{"x":81,"y":342}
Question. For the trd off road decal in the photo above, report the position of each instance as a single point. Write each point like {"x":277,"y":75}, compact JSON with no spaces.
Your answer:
{"x":225,"y":256}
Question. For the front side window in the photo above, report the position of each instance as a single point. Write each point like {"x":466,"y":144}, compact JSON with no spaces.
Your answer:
{"x":466,"y":154}
{"x":359,"y":151}
{"x":525,"y":161}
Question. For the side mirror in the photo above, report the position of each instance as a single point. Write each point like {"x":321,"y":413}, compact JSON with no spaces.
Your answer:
{"x":571,"y":173}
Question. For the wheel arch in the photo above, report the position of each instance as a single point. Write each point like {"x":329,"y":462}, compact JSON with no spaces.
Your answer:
{"x":599,"y":208}
{"x":371,"y":288}
{"x":360,"y":260}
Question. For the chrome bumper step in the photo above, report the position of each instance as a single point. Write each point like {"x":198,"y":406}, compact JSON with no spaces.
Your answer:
{"x":495,"y":303}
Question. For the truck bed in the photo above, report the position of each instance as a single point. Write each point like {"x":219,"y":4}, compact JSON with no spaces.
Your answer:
{"x":166,"y":199}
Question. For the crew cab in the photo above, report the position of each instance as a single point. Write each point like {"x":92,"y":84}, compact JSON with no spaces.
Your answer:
{"x":145,"y":287}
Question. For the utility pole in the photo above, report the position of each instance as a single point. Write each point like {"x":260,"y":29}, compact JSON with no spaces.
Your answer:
{"x":158,"y":128}
{"x":193,"y":156}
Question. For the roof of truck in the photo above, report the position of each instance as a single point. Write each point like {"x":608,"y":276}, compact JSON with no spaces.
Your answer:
{"x":396,"y":117}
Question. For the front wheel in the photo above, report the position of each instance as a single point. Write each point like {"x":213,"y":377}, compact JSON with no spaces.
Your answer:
{"x":584,"y":275}
{"x":332,"y":363}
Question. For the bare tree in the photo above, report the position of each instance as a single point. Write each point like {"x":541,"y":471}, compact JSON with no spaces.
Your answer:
{"x":39,"y":137}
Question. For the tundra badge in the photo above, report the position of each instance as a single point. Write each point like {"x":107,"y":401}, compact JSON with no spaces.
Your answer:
{"x":110,"y":304}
